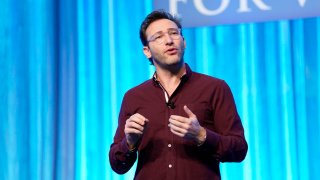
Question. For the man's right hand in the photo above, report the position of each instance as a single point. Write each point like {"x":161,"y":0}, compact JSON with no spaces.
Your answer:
{"x":134,"y":129}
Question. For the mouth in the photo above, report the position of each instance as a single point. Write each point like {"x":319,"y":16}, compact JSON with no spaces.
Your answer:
{"x":172,"y":51}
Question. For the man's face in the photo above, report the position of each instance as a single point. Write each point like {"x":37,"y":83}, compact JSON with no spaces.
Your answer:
{"x":166,"y":47}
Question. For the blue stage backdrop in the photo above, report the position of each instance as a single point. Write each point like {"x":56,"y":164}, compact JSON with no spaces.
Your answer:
{"x":65,"y":66}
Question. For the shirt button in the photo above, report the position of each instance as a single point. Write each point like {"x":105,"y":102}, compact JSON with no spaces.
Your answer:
{"x":170,"y":165}
{"x":169,"y":145}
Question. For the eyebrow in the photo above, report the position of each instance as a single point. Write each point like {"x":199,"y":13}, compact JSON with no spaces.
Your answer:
{"x":159,"y":32}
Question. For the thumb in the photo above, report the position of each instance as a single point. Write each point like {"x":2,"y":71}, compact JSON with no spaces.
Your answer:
{"x":189,"y":112}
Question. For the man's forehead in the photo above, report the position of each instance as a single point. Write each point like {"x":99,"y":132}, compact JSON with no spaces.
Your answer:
{"x":160,"y":25}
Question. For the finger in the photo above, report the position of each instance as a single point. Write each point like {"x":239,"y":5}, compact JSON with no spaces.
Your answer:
{"x":177,"y":130}
{"x":178,"y":123}
{"x":189,"y":112}
{"x":177,"y":133}
{"x":134,"y":125}
{"x":179,"y":118}
{"x":139,"y":119}
{"x":132,"y":131}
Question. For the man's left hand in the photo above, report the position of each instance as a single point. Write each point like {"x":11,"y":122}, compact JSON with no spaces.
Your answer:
{"x":187,"y":127}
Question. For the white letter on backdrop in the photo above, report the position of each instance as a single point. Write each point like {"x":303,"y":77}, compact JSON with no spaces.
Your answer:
{"x":203,"y":10}
{"x":244,"y":6}
{"x":302,"y":2}
{"x":173,"y":6}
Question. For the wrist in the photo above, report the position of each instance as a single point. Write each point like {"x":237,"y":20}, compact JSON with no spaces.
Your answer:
{"x":131,"y":146}
{"x":202,"y":136}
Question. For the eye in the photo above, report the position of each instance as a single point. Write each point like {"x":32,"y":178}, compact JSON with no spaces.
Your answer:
{"x":174,"y":32}
{"x":157,"y":37}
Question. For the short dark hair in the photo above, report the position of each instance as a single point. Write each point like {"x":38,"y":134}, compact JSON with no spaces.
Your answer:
{"x":153,"y":16}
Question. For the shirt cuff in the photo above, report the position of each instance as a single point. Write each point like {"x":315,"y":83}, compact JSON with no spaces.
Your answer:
{"x":211,"y":141}
{"x":125,"y":148}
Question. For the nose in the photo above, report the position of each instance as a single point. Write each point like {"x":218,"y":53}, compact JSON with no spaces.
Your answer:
{"x":168,"y":39}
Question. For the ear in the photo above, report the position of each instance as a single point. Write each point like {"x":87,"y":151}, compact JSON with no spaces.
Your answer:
{"x":184,"y":42}
{"x":146,"y":52}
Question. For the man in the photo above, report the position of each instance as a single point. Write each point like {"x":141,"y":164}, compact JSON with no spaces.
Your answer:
{"x":180,"y":123}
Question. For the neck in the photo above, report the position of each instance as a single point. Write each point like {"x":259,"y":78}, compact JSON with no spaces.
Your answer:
{"x":170,"y":79}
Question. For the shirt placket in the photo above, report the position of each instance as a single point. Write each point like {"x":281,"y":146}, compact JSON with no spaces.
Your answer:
{"x":171,"y":151}
{"x":170,"y":156}
{"x":170,"y":144}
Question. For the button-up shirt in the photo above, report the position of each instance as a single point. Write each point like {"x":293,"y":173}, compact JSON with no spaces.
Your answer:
{"x":163,"y":155}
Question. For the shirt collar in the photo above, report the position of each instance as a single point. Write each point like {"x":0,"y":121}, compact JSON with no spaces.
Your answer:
{"x":183,"y":78}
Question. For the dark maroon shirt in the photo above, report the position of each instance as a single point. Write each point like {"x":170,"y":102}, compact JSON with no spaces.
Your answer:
{"x":163,"y":155}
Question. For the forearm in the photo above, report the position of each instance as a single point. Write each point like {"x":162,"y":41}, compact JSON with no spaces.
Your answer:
{"x":225,"y":148}
{"x":121,"y":158}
